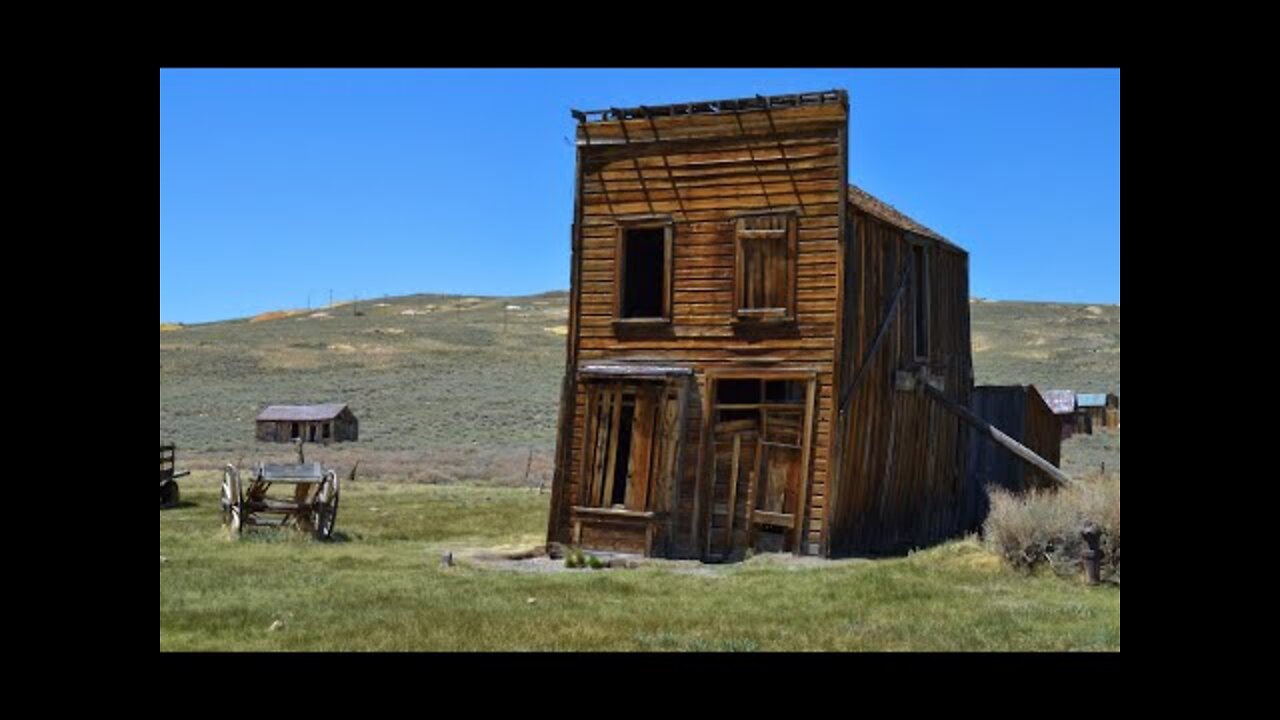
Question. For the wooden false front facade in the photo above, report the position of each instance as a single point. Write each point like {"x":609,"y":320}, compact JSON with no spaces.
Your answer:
{"x":728,"y":287}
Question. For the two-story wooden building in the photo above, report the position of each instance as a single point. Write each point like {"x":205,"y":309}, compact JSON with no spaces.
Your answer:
{"x":748,"y":340}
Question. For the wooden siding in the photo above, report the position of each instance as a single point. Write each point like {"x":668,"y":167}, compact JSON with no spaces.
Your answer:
{"x":704,"y":173}
{"x":900,"y":456}
{"x":1019,"y":412}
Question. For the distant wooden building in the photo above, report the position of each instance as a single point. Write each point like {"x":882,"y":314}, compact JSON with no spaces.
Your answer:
{"x":1063,"y":405}
{"x":749,"y":339}
{"x":1103,"y":409}
{"x":1020,"y":412}
{"x":333,"y":422}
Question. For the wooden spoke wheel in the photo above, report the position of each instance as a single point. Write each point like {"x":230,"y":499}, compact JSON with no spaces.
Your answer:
{"x":324,"y":511}
{"x":232,"y":500}
{"x":169,"y":494}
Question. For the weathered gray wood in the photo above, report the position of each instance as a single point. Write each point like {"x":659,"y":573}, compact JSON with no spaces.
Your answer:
{"x":1009,"y":443}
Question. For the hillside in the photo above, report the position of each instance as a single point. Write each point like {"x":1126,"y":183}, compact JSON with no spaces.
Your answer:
{"x":462,"y":389}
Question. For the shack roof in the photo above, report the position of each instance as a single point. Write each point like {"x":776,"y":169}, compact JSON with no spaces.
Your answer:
{"x":302,"y":413}
{"x":1091,"y":400}
{"x":1061,"y":402}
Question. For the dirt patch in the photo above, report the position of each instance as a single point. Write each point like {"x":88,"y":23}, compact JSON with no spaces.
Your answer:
{"x":558,"y":330}
{"x":536,"y":560}
{"x":273,"y":315}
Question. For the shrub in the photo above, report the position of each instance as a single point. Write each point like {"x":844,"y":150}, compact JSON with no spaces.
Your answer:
{"x":1043,"y":528}
{"x":595,"y":562}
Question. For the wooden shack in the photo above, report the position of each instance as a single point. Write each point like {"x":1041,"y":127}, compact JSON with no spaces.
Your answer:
{"x":1071,"y":419}
{"x":332,"y":422}
{"x":1020,"y":412}
{"x":1103,"y":409}
{"x":749,"y":338}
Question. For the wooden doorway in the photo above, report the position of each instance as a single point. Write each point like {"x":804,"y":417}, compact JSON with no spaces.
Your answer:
{"x":759,"y":430}
{"x":630,"y":464}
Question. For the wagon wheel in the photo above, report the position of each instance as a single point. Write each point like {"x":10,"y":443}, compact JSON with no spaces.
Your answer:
{"x":325,"y":511}
{"x":169,"y":494}
{"x":232,"y":501}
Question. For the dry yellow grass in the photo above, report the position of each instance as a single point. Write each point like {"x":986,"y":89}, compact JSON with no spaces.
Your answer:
{"x":273,"y":315}
{"x":170,"y":327}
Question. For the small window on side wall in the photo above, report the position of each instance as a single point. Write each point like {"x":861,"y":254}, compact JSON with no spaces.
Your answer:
{"x":642,"y":288}
{"x":765,"y":277}
{"x":920,"y":300}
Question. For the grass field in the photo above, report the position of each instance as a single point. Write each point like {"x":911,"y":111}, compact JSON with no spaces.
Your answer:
{"x":382,"y":587}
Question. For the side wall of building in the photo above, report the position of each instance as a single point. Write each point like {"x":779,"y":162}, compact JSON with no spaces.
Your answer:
{"x":900,"y":458}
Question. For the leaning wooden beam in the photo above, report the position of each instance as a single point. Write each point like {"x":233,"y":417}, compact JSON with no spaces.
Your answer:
{"x":1013,"y":446}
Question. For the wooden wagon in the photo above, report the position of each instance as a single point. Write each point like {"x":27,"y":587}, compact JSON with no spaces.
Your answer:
{"x":312,"y":506}
{"x":168,"y":478}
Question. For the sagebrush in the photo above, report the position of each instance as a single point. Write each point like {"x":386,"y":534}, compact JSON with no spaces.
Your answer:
{"x":1042,"y":528}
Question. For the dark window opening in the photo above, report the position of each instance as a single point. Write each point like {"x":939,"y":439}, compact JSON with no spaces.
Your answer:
{"x":311,"y":435}
{"x":733,"y":415}
{"x":623,"y":467}
{"x":784,"y":391}
{"x":643,"y":279}
{"x":737,"y":392}
{"x":293,"y":433}
{"x":921,"y":301}
{"x":327,"y":426}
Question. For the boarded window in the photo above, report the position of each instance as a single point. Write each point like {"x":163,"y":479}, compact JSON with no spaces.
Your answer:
{"x":920,"y":300}
{"x":766,"y":267}
{"x":628,"y":447}
{"x":643,"y":284}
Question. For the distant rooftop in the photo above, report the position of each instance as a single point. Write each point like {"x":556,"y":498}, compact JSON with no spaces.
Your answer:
{"x":1061,"y":402}
{"x":302,"y":413}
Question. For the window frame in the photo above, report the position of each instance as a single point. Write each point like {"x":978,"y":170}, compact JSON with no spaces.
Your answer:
{"x":791,"y":235}
{"x":624,"y":225}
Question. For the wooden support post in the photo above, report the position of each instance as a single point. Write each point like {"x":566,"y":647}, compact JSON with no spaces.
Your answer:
{"x":1013,"y":446}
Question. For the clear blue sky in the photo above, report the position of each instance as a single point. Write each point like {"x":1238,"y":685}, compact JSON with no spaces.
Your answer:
{"x":279,"y":183}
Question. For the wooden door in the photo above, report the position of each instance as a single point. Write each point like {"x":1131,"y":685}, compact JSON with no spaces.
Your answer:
{"x":734,"y":469}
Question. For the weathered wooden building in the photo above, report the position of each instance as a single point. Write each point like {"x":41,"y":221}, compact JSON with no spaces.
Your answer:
{"x":1020,"y":412}
{"x":1070,"y":418}
{"x":749,"y":341}
{"x":333,"y":422}
{"x":1103,"y":409}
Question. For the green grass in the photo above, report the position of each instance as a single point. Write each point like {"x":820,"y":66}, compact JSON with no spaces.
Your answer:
{"x":382,"y":587}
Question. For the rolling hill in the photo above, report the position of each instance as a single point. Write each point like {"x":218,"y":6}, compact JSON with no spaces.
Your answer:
{"x":464,"y":389}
